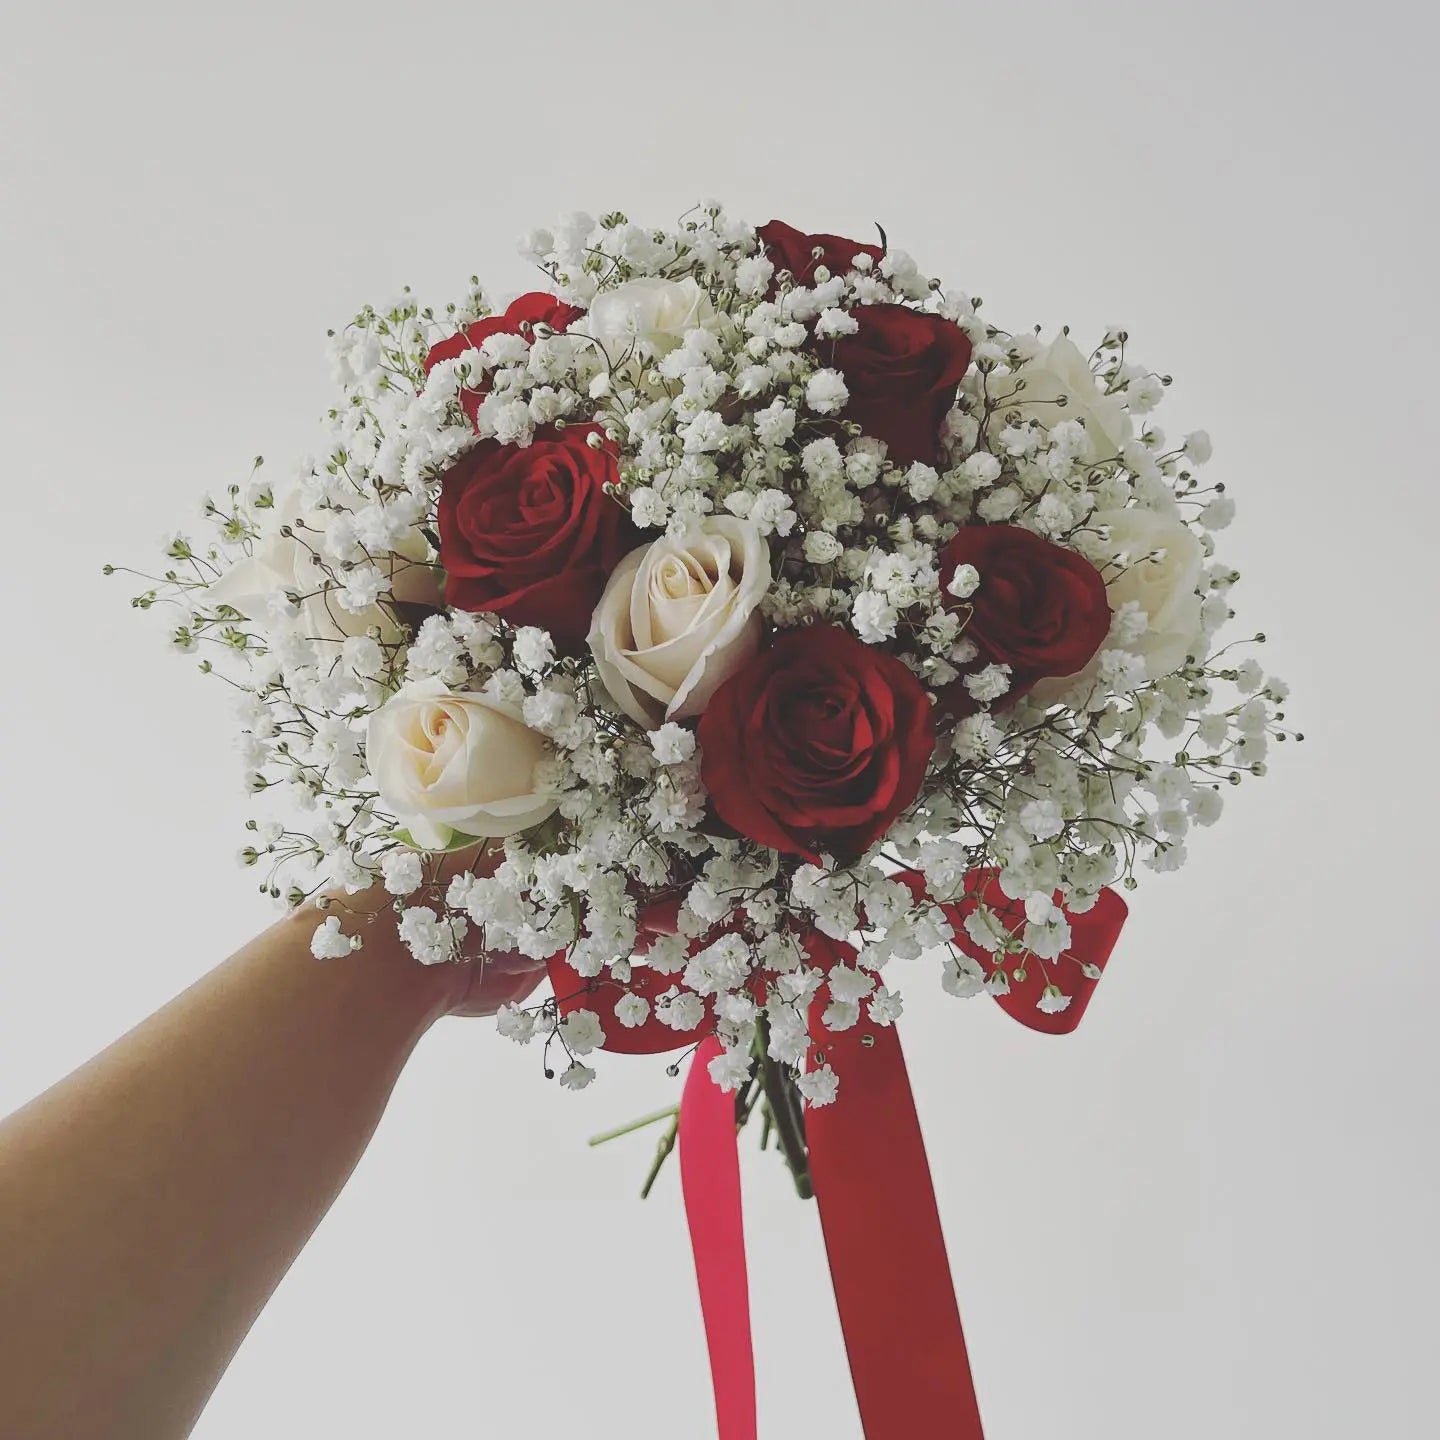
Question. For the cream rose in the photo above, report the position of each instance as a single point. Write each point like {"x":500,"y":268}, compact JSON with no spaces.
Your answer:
{"x":651,"y":310}
{"x":680,"y":616}
{"x":284,"y":564}
{"x":1154,"y":562}
{"x":1060,"y":369}
{"x":451,"y":765}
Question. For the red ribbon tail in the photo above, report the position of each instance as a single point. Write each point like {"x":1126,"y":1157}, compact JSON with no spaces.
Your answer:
{"x":710,"y":1180}
{"x":887,"y":1252}
{"x":877,"y":1201}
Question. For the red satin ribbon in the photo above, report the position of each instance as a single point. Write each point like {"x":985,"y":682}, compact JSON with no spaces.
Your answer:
{"x":887,"y":1251}
{"x":872,"y":1184}
{"x":710,"y":1180}
{"x":882,"y":1235}
{"x":1093,"y":934}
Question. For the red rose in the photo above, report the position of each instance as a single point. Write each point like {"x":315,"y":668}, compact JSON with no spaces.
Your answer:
{"x":902,"y":368}
{"x":530,"y":533}
{"x":817,"y":744}
{"x":1039,"y":608}
{"x":793,"y":250}
{"x":536,"y":308}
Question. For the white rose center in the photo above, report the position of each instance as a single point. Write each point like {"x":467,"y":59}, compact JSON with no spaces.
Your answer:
{"x":678,"y":616}
{"x":679,"y":589}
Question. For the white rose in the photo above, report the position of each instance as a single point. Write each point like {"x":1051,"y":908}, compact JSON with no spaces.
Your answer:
{"x":1153,"y":562}
{"x":653,"y":311}
{"x":1156,"y":564}
{"x":1060,"y":369}
{"x":454,"y":764}
{"x":678,"y":617}
{"x":285,"y":564}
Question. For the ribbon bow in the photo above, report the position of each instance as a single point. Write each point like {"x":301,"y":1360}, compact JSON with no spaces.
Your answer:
{"x":870,"y":1174}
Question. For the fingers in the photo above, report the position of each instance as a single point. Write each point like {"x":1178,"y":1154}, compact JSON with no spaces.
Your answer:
{"x":491,"y":987}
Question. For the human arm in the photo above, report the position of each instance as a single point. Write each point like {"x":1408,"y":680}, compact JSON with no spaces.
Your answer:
{"x":151,"y":1201}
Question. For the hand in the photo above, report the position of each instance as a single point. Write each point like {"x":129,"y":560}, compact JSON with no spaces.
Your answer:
{"x":481,"y":985}
{"x":487,"y":984}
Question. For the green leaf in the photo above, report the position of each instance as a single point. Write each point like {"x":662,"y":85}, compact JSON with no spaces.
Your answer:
{"x":457,"y":841}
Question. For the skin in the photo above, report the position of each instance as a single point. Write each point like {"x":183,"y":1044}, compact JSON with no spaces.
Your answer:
{"x":151,"y":1201}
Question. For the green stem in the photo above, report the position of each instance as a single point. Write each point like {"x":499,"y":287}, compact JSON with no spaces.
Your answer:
{"x":746,"y":1099}
{"x":662,"y":1153}
{"x":634,"y":1125}
{"x":786,"y":1117}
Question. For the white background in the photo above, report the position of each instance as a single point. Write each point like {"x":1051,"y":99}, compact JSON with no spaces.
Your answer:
{"x":1212,"y":1211}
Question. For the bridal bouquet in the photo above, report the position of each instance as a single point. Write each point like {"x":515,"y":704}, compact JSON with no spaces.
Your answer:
{"x":788,"y":637}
